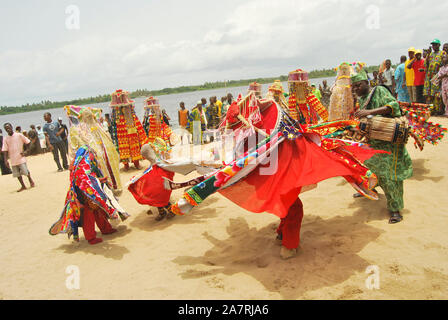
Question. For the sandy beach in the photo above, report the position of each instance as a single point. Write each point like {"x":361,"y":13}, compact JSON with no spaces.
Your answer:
{"x":221,"y":251}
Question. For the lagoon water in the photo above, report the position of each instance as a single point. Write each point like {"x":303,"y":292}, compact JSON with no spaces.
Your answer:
{"x":168,"y":102}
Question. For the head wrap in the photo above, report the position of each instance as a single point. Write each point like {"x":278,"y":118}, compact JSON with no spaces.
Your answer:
{"x":411,"y":49}
{"x":360,"y":76}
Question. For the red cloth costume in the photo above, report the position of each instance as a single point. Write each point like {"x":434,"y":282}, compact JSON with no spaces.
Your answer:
{"x":299,"y":162}
{"x":149,"y":189}
{"x":290,"y":225}
{"x":88,"y":225}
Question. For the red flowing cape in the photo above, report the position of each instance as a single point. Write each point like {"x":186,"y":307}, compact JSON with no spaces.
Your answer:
{"x":149,"y":189}
{"x":300,"y":163}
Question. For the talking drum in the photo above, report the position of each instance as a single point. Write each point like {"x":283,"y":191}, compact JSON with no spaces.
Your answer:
{"x":394,"y":130}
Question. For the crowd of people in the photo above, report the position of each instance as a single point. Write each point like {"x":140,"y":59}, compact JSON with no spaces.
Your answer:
{"x":420,"y":77}
{"x":321,"y":129}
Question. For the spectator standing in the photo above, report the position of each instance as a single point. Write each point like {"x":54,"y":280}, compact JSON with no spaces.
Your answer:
{"x":183,"y":115}
{"x":53,"y":131}
{"x":64,"y":134}
{"x":400,"y":81}
{"x":431,"y":89}
{"x":387,"y":76}
{"x":4,"y":166}
{"x":409,"y":71}
{"x":418,"y":65}
{"x":12,"y":148}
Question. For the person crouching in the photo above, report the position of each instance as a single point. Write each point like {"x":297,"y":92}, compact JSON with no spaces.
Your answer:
{"x":148,"y":188}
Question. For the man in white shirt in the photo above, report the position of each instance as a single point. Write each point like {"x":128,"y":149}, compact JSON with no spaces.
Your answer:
{"x":387,"y":76}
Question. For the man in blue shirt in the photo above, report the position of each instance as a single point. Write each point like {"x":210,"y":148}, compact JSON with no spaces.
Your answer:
{"x":400,"y":80}
{"x":53,"y":131}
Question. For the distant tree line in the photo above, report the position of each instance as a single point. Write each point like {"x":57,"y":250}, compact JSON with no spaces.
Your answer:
{"x":145,"y":92}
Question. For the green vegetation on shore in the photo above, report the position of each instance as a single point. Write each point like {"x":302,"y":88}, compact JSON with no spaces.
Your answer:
{"x":43,"y":105}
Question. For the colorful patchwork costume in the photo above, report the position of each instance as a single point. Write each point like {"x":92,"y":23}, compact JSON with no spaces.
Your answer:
{"x":85,"y":130}
{"x":259,"y":183}
{"x":303,"y":104}
{"x":153,"y":123}
{"x":127,"y":129}
{"x":88,"y":199}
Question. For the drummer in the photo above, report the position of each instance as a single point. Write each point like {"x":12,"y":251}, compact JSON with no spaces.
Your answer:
{"x":393,"y":168}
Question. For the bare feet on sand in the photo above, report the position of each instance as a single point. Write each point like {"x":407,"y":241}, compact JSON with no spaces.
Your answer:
{"x":286,"y":253}
{"x":21,"y":189}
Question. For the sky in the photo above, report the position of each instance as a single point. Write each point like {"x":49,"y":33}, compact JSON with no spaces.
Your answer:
{"x":61,"y":50}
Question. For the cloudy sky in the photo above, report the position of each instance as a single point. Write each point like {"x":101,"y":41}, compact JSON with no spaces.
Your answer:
{"x":58,"y":49}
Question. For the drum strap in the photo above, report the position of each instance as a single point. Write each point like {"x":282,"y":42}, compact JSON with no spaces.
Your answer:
{"x":366,"y":103}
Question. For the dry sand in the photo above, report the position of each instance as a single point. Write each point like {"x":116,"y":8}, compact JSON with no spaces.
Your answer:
{"x":221,"y":251}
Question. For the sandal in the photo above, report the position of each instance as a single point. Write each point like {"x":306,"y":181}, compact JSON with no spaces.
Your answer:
{"x":395,"y":217}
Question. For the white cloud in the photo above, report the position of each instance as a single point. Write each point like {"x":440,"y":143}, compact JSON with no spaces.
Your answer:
{"x":255,"y":38}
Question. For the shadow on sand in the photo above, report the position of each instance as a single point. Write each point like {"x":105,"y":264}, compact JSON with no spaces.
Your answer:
{"x":200,"y":214}
{"x":421,"y":172}
{"x":327,"y":255}
{"x":106,"y":248}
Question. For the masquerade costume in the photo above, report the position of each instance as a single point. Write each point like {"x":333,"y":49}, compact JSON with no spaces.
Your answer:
{"x":85,"y":130}
{"x":148,"y":187}
{"x":88,"y":199}
{"x":303,"y":104}
{"x":276,"y":92}
{"x":252,"y":183}
{"x":127,"y":129}
{"x":341,"y":101}
{"x":153,"y":123}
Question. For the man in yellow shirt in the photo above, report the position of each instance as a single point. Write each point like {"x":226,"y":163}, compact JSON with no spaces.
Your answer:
{"x":219,"y":104}
{"x":409,"y":74}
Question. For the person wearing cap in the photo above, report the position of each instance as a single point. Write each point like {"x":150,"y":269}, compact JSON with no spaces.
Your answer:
{"x":396,"y":166}
{"x":64,"y":134}
{"x":418,"y":65}
{"x":410,"y":75}
{"x":400,"y":81}
{"x":431,"y":89}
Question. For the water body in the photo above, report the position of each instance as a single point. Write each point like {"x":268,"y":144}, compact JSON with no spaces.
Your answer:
{"x":168,"y":102}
